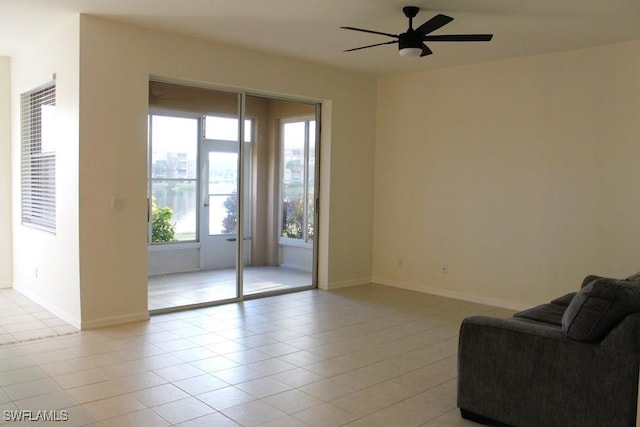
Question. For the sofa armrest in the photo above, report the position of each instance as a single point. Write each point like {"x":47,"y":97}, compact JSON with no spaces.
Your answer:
{"x":526,"y":374}
{"x":533,"y":328}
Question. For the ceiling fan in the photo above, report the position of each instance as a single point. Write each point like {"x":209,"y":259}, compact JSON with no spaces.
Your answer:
{"x":411,"y":42}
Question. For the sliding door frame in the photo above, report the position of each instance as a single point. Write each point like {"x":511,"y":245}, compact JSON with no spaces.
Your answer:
{"x":242,"y":147}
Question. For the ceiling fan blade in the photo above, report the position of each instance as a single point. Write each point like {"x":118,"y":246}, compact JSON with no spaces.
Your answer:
{"x":371,"y":45}
{"x":459,"y":38}
{"x":395,"y":36}
{"x":425,"y":50}
{"x":433,"y":24}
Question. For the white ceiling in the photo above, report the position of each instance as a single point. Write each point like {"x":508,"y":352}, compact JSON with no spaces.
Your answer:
{"x":309,"y":29}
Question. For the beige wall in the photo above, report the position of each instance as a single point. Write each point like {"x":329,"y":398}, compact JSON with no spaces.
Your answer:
{"x":520,"y":175}
{"x":5,"y":173}
{"x":116,"y":62}
{"x":45,"y":265}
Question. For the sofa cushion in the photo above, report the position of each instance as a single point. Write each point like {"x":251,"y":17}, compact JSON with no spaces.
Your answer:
{"x":564,"y":300}
{"x":598,"y":307}
{"x":545,"y":313}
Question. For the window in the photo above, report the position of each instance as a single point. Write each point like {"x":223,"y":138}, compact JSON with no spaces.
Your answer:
{"x":223,"y":193}
{"x":38,"y":159}
{"x":222,"y":134}
{"x":297,"y":167}
{"x":173,"y":178}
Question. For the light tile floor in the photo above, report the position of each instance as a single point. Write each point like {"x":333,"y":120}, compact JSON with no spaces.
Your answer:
{"x":23,"y":320}
{"x":174,"y":290}
{"x":362,"y":356}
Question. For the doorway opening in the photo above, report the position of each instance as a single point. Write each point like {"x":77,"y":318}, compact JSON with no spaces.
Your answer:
{"x":233,"y":193}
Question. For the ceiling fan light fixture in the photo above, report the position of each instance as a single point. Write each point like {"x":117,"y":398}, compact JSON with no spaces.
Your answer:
{"x":413,"y":52}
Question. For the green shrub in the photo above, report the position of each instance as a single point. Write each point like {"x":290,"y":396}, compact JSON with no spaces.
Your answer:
{"x":230,"y":222}
{"x":162,"y":230}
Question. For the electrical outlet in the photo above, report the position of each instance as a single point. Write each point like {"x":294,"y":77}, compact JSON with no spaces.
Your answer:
{"x":444,"y":269}
{"x":400,"y":262}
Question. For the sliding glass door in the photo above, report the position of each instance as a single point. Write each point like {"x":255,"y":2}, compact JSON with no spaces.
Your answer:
{"x":232,"y":194}
{"x":282,"y":216}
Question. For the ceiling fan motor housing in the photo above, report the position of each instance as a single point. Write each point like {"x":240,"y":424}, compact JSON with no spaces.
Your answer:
{"x":410,"y":40}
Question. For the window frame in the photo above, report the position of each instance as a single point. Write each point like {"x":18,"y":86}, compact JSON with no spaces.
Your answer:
{"x":227,"y":146}
{"x":201,"y":140}
{"x":37,"y":167}
{"x":305,"y":241}
{"x":173,"y":114}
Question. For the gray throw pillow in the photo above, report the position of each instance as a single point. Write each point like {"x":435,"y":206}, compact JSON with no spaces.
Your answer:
{"x":598,"y":307}
{"x":588,"y":279}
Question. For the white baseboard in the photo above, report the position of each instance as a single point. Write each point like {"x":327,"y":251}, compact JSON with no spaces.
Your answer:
{"x":5,"y":285}
{"x":48,"y":306}
{"x":451,"y":294}
{"x":77,"y":323}
{"x":347,"y":283}
{"x":115,"y":320}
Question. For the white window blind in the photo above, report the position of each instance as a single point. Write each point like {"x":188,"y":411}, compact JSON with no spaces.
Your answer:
{"x":38,"y":159}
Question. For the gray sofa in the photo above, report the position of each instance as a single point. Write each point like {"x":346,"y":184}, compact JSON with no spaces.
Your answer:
{"x":572,"y":362}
